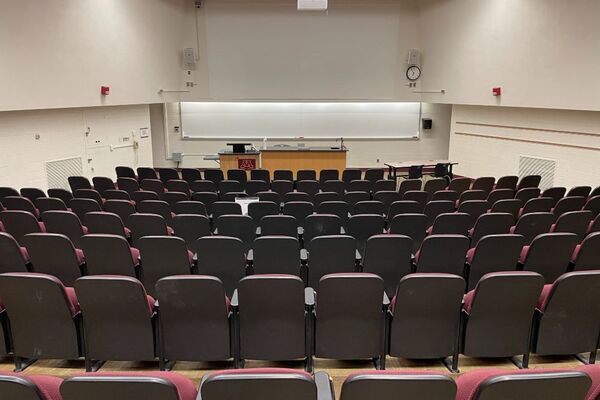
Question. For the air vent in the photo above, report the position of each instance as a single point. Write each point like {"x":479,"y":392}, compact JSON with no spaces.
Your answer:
{"x":58,"y":171}
{"x":538,"y":166}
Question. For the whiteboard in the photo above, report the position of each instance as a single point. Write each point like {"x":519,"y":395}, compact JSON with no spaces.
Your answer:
{"x":297,"y":120}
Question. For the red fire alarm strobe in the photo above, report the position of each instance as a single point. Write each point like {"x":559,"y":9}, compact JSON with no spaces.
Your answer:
{"x":497,"y":91}
{"x":104,"y":90}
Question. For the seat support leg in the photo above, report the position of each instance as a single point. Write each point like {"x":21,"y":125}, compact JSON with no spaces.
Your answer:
{"x":166,"y":365}
{"x":590,"y":360}
{"x":309,"y":364}
{"x":451,"y":363}
{"x":22,"y":363}
{"x":521,"y":364}
{"x":93,"y":366}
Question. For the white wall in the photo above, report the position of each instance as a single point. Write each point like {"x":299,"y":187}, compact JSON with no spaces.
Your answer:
{"x":488,"y":141}
{"x":433,"y":144}
{"x":543,"y":53}
{"x":62,"y":134}
{"x":269,"y":50}
{"x":57,"y":53}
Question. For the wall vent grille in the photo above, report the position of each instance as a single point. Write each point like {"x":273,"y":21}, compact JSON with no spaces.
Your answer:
{"x":538,"y":166}
{"x":58,"y":171}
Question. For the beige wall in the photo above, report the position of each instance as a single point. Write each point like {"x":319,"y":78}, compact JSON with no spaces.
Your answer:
{"x":62,"y":134}
{"x":508,"y":133}
{"x":543,"y":53}
{"x":362,"y":153}
{"x":57,"y":53}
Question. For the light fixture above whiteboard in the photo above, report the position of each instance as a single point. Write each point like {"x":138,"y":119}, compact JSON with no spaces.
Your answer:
{"x":312,"y":5}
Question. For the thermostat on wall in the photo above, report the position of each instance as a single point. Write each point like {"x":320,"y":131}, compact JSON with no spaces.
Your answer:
{"x":144,"y":132}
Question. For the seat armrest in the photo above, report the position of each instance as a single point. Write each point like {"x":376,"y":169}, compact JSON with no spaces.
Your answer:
{"x":358,"y":256}
{"x":386,"y":299}
{"x":309,"y":296}
{"x":250,"y":256}
{"x":324,"y":386}
{"x":303,"y":256}
{"x":234,"y":299}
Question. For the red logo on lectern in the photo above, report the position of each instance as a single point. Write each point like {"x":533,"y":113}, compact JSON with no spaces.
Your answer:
{"x":246,"y":163}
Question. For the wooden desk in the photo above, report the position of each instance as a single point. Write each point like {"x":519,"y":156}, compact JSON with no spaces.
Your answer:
{"x":247,"y":161}
{"x":298,"y":158}
{"x":395,"y":166}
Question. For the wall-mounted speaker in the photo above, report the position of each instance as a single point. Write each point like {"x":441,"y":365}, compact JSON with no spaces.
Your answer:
{"x":427,"y":123}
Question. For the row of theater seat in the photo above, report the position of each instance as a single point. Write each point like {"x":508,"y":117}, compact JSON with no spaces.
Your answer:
{"x":437,"y":217}
{"x":275,"y":318}
{"x":276,"y":383}
{"x":229,"y":258}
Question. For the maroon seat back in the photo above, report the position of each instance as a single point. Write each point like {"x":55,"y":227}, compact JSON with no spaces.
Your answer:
{"x":497,"y":324}
{"x":117,"y":318}
{"x":555,"y":193}
{"x":79,"y":182}
{"x":194,"y":318}
{"x":104,"y":222}
{"x":443,"y":254}
{"x":66,"y":223}
{"x":146,"y":225}
{"x":29,"y":387}
{"x":272,"y":330}
{"x":190,"y":175}
{"x":222,"y":257}
{"x":108,"y":255}
{"x":162,"y":256}
{"x":128,"y":184}
{"x":567,"y":204}
{"x":12,"y":256}
{"x":102,"y":184}
{"x":485,"y":183}
{"x":451,"y":224}
{"x":499,"y":194}
{"x":388,"y":256}
{"x":587,"y":254}
{"x":20,"y":203}
{"x":19,"y":223}
{"x":261,"y":384}
{"x":569,"y":315}
{"x":538,"y":204}
{"x":81,"y":206}
{"x":122,"y":208}
{"x":405,"y":384}
{"x":528,"y":193}
{"x":576,"y":222}
{"x":502,"y":384}
{"x":42,"y":316}
{"x":507,"y":182}
{"x":148,"y":385}
{"x":425,"y":316}
{"x":409,"y":185}
{"x":54,"y":254}
{"x":491,"y":224}
{"x":411,"y":225}
{"x":549,"y":254}
{"x":349,"y":317}
{"x":532,"y":225}
{"x":494,"y":253}
{"x":50,"y":203}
